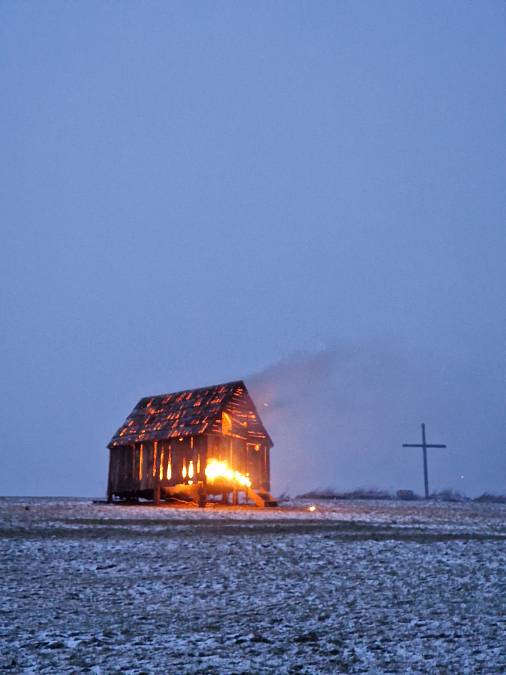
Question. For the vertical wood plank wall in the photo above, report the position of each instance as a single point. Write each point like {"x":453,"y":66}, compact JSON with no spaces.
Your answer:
{"x":127,"y":473}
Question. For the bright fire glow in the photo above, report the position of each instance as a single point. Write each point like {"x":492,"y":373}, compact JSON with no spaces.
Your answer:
{"x":190,"y":469}
{"x":226,"y":423}
{"x":216,"y":470}
{"x":161,"y":465}
{"x":155,"y":444}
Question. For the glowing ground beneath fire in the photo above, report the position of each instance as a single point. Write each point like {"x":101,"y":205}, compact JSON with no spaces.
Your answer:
{"x":355,"y":588}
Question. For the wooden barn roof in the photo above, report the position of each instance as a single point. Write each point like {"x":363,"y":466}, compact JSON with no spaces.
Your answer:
{"x":182,"y":413}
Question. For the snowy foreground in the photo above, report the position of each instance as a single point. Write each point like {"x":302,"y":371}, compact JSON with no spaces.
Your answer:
{"x":359,"y":587}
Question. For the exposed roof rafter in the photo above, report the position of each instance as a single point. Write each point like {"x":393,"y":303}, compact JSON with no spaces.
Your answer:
{"x":190,"y":412}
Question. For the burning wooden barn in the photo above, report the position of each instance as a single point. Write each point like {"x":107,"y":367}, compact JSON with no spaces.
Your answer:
{"x":193,"y":444}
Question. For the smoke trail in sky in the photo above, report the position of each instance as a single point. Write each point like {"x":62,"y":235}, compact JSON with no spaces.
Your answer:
{"x":338,"y":418}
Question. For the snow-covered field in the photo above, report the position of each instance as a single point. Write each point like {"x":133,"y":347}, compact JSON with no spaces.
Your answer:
{"x":369,"y":587}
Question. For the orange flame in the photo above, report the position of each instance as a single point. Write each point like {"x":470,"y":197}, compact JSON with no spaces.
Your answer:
{"x":216,"y":471}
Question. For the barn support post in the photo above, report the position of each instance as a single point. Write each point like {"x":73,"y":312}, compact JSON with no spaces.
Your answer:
{"x":156,"y":469}
{"x":264,"y":468}
{"x":267,"y":468}
{"x":201,"y":474}
{"x":109,"y":478}
{"x":201,"y":496}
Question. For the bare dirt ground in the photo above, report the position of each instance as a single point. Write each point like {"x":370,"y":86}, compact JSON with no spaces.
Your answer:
{"x":359,"y":587}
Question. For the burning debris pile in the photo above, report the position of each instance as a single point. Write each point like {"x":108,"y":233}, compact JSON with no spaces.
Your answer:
{"x":218,"y":472}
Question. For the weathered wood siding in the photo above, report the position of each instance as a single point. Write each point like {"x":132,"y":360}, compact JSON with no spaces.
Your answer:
{"x":250,"y":459}
{"x":245,"y":420}
{"x":144,"y":466}
{"x":242,"y":441}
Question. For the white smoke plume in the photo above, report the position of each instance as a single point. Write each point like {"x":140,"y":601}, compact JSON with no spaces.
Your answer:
{"x":338,"y":418}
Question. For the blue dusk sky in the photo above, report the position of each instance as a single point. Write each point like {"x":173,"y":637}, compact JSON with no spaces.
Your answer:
{"x":307,"y":195}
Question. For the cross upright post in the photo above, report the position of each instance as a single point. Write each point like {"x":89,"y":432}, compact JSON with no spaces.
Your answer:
{"x":424,"y":445}
{"x":425,"y":467}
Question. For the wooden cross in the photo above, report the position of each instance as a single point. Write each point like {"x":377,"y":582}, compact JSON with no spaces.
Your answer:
{"x":424,"y":445}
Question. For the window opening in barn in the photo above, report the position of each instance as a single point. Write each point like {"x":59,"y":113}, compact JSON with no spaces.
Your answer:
{"x":161,"y":464}
{"x":190,"y":469}
{"x":155,"y":448}
{"x":141,"y":450}
{"x":169,"y":463}
{"x":226,"y":423}
{"x":184,"y":472}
